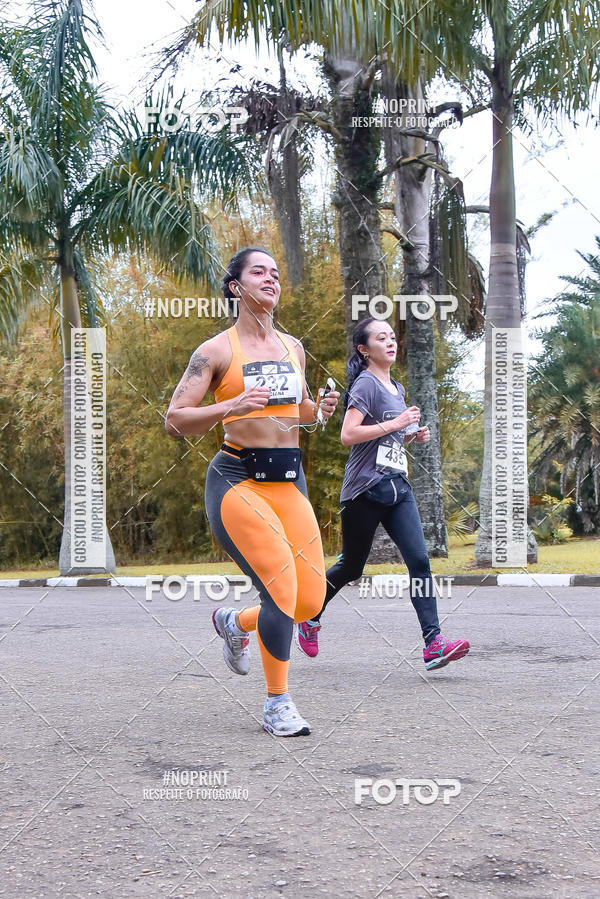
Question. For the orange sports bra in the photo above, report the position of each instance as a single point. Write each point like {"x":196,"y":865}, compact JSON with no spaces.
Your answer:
{"x":283,"y":378}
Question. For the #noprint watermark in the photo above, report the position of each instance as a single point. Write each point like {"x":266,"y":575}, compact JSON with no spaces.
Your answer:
{"x":88,"y":448}
{"x":212,"y":119}
{"x":393,"y":586}
{"x":196,"y":784}
{"x":175,"y":587}
{"x":422,"y":306}
{"x":509,"y":448}
{"x":422,"y":790}
{"x":190,"y":307}
{"x":404,"y":112}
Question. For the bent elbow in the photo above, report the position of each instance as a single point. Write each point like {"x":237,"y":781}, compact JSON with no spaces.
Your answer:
{"x":170,"y":426}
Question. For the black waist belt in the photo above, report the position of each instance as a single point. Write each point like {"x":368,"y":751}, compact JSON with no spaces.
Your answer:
{"x":232,"y":450}
{"x":269,"y":464}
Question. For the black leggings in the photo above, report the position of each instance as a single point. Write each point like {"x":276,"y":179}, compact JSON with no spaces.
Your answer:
{"x":360,"y":519}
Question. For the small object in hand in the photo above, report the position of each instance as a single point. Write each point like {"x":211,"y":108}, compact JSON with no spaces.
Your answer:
{"x":321,"y":394}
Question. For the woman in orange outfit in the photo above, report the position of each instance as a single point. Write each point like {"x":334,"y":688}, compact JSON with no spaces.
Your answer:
{"x":256,"y":498}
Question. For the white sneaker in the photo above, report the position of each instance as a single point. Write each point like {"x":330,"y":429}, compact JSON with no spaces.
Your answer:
{"x":282,"y":718}
{"x":236,"y":650}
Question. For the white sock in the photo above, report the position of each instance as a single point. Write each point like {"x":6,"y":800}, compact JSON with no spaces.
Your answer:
{"x":273,"y":700}
{"x":232,"y":626}
{"x":313,"y":623}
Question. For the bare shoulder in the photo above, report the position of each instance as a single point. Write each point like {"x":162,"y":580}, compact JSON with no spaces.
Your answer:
{"x":204,"y":370}
{"x":213,"y":355}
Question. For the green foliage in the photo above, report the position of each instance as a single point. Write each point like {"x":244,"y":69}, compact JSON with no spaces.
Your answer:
{"x":78,"y":180}
{"x":461,"y":434}
{"x":564,"y":396}
{"x":155,"y":483}
{"x":365,"y":24}
{"x":460,"y":521}
{"x":31,"y":449}
{"x":452,"y":268}
{"x":551,"y":527}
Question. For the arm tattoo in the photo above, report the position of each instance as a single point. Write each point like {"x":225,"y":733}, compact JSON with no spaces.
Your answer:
{"x":198,"y":363}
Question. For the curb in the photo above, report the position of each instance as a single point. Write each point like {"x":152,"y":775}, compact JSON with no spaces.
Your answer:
{"x":495,"y":580}
{"x":458,"y":580}
{"x":70,"y":581}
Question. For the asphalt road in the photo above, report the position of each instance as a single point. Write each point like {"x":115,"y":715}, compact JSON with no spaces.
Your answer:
{"x":108,"y":699}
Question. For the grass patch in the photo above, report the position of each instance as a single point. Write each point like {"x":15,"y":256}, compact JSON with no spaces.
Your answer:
{"x":579,"y":555}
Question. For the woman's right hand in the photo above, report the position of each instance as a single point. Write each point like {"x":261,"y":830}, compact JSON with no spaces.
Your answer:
{"x":406,"y":418}
{"x":249,"y":401}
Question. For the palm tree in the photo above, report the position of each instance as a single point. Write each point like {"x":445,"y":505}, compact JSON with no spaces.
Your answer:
{"x":77,"y":181}
{"x":413,"y":156}
{"x":277,"y":128}
{"x":544,"y":57}
{"x":565,"y":397}
{"x":350,"y":65}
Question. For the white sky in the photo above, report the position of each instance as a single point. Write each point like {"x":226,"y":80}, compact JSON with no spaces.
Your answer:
{"x":560,"y":179}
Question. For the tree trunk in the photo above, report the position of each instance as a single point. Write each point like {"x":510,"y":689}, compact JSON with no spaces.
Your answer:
{"x":283,"y":175}
{"x":71,"y":318}
{"x":411,"y":206}
{"x":356,"y":198}
{"x":503,"y":307}
{"x":357,"y":187}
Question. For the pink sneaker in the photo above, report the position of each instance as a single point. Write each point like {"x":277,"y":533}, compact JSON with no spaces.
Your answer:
{"x":307,"y":638}
{"x":440,"y":652}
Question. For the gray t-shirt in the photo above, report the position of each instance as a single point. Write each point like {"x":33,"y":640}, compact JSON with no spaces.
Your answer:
{"x":384,"y":456}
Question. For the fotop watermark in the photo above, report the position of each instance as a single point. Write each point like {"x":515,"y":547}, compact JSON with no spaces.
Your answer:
{"x":422,"y":790}
{"x":403,"y":113}
{"x":175,"y":587}
{"x":190,"y":307}
{"x":422,"y":306}
{"x":393,"y":587}
{"x":197,"y":784}
{"x":211,"y":119}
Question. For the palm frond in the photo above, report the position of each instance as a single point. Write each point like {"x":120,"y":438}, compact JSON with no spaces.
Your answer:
{"x":49,"y":69}
{"x":30,"y":180}
{"x":557,"y":64}
{"x":454,"y":271}
{"x":564,"y":398}
{"x":459,"y":521}
{"x":218,"y":165}
{"x":368,"y":26}
{"x":127,"y":212}
{"x":22,"y":278}
{"x":58,"y":29}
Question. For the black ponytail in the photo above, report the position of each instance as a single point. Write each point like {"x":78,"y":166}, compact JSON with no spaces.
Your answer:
{"x":234,"y":270}
{"x":357,"y":362}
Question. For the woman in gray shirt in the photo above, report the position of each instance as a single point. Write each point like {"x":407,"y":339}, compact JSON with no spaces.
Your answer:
{"x":376,"y":489}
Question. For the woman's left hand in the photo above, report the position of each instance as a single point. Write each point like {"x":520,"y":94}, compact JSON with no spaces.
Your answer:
{"x":422,"y":435}
{"x":329,"y":403}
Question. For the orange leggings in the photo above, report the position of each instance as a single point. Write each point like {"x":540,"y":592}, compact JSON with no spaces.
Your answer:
{"x":270,"y":530}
